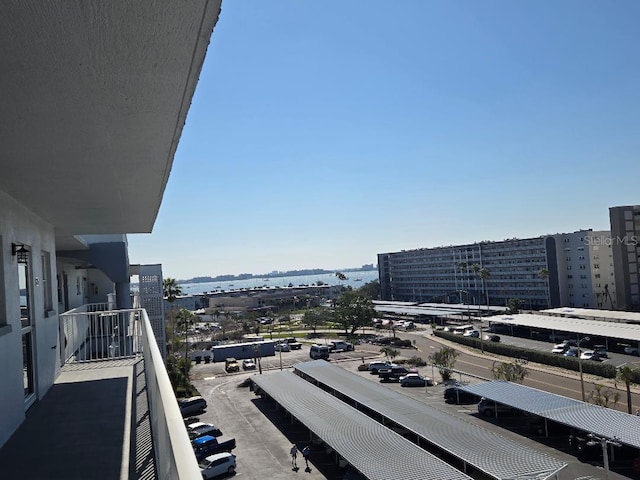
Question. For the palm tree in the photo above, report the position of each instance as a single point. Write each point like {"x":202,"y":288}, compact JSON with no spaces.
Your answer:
{"x":627,"y":375}
{"x":475,"y":268}
{"x":171,"y":291}
{"x":185,"y":321}
{"x":484,"y":275}
{"x":544,"y":274}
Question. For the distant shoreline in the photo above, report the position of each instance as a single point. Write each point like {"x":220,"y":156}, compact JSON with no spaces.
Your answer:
{"x":291,"y":273}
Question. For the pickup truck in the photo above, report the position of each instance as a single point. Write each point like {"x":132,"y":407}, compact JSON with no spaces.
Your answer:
{"x":208,"y":445}
{"x":293,"y":343}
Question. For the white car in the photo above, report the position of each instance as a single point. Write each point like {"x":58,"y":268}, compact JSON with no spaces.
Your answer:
{"x":248,"y":364}
{"x":283,"y":347}
{"x":590,"y":355}
{"x":629,"y":350}
{"x":560,"y":348}
{"x":200,"y":429}
{"x":471,"y":333}
{"x":218,"y":464}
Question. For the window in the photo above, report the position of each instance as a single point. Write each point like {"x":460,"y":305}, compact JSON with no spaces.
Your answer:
{"x":596,"y":265}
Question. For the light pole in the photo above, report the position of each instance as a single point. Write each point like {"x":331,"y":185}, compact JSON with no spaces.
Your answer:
{"x":605,"y":451}
{"x":580,"y":367}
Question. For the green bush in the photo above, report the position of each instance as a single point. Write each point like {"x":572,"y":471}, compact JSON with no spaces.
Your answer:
{"x":537,"y":356}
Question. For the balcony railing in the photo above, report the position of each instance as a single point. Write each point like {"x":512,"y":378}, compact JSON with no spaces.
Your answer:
{"x":93,"y":333}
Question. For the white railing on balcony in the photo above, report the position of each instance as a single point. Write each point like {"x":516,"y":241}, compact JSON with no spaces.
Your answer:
{"x":95,"y":332}
{"x":174,"y":456}
{"x":85,"y":329}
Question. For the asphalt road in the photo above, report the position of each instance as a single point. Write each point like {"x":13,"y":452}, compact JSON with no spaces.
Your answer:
{"x":543,"y":377}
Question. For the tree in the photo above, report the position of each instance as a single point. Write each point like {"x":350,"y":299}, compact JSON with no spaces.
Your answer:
{"x":171,"y":291}
{"x":227,"y":323}
{"x":463,"y":267}
{"x":514,"y":305}
{"x":185,"y":321}
{"x":314,"y":318}
{"x":475,"y":268}
{"x":445,"y":360}
{"x":370,"y":290}
{"x":389,"y":352}
{"x":544,"y":274}
{"x":484,"y":275}
{"x":511,"y":372}
{"x":627,"y":375}
{"x":602,"y":396}
{"x":341,"y":276}
{"x":354,"y":311}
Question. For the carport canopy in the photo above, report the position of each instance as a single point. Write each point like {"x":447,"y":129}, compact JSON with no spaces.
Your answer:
{"x":579,"y":326}
{"x":375,"y":450}
{"x":600,"y":421}
{"x":498,"y":457}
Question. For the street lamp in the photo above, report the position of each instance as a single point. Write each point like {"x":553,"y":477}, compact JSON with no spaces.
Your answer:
{"x":605,"y":450}
{"x":580,"y":367}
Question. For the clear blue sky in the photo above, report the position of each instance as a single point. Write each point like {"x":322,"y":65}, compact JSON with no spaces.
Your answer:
{"x":323,"y":133}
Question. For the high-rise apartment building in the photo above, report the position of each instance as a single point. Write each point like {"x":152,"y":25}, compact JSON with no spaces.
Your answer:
{"x":550,"y":270}
{"x":625,"y":233}
{"x":584,"y":270}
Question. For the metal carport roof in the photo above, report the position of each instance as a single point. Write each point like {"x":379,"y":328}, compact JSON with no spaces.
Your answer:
{"x":604,"y":422}
{"x":415,"y":310}
{"x":625,"y":331}
{"x":610,"y":315}
{"x":376,"y":451}
{"x":483,"y":449}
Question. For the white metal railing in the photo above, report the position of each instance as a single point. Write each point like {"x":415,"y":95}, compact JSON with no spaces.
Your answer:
{"x":94,"y":332}
{"x":174,"y":456}
{"x":85,"y":330}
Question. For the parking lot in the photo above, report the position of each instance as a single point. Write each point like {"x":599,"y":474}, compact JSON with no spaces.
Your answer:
{"x":264,"y":434}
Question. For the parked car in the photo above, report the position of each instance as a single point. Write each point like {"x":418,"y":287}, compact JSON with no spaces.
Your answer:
{"x":601,"y":350}
{"x":200,"y":429}
{"x":339,"y":345}
{"x":208,"y":445}
{"x":415,"y":380}
{"x":283,"y":347}
{"x":572,"y":352}
{"x":218,"y":464}
{"x":293,"y":343}
{"x":560,"y":348}
{"x":231,"y":365}
{"x":490,"y":337}
{"x":248,"y":364}
{"x":488,"y":408}
{"x":319,"y":352}
{"x":590,"y":355}
{"x":375,"y":366}
{"x":629,"y":350}
{"x":471,"y":333}
{"x":192,"y":406}
{"x":459,"y":396}
{"x":394,"y":373}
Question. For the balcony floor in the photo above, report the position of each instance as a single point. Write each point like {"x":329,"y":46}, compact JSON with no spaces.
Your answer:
{"x":92,"y":424}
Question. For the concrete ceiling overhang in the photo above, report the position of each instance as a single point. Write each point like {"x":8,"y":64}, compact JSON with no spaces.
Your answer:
{"x":95,"y":96}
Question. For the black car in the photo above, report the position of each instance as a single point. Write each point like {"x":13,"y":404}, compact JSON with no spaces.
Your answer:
{"x":459,"y":396}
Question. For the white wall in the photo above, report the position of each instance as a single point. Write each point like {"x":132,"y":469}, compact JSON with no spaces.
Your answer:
{"x":22,"y":226}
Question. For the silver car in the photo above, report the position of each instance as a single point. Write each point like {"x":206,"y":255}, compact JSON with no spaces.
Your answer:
{"x":218,"y":464}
